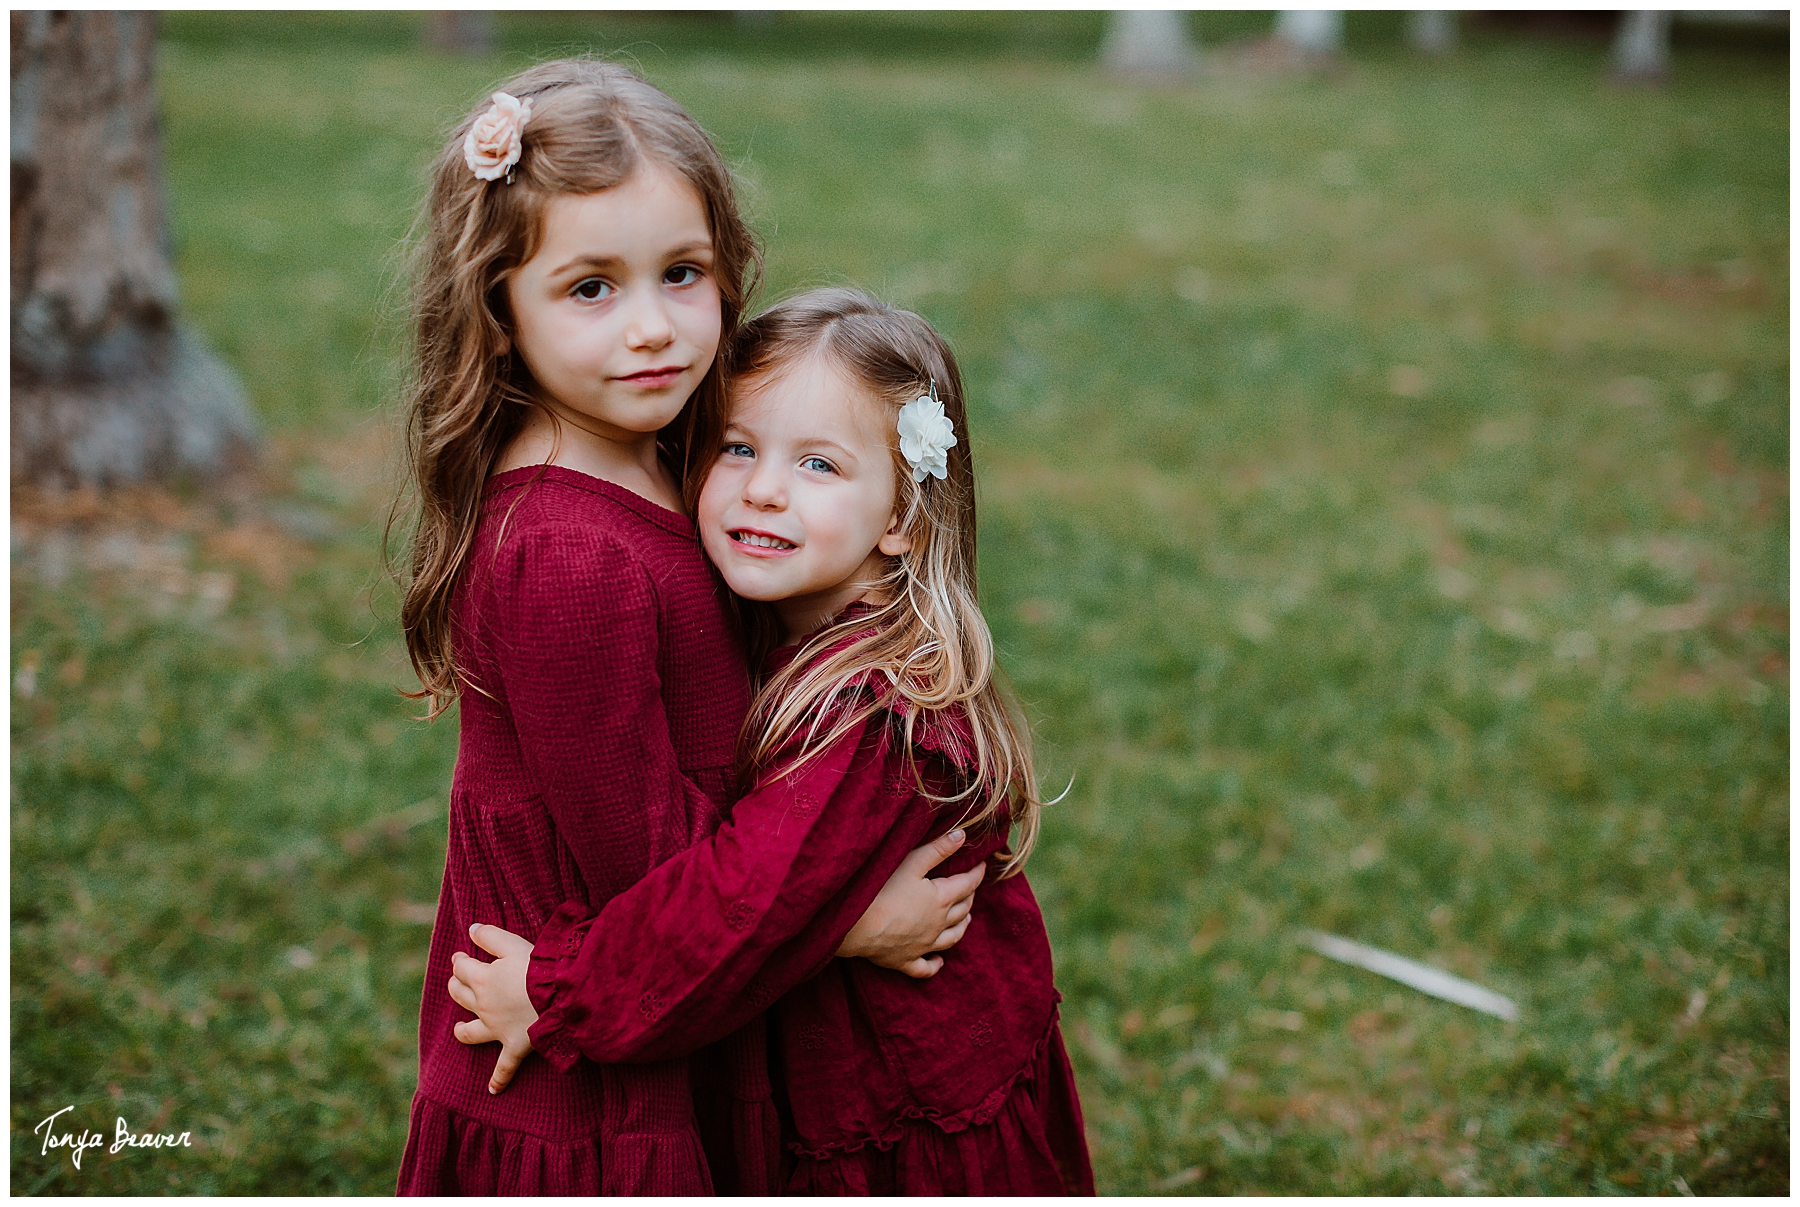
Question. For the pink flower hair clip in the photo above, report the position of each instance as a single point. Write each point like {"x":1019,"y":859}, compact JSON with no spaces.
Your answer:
{"x":495,"y":141}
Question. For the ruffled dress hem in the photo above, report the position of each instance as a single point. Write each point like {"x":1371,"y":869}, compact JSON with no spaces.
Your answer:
{"x":1025,"y":1137}
{"x":448,"y":1153}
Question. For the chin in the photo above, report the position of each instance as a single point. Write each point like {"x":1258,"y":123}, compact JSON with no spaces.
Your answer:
{"x":747,"y":586}
{"x":756,"y":592}
{"x":650,"y":413}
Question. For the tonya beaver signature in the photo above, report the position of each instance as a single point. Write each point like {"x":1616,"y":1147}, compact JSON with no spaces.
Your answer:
{"x":79,"y":1143}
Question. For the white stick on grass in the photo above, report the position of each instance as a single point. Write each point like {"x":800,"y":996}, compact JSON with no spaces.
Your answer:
{"x":1422,"y":977}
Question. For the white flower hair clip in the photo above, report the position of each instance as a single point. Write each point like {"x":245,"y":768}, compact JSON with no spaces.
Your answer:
{"x":495,"y":141}
{"x":926,"y":436}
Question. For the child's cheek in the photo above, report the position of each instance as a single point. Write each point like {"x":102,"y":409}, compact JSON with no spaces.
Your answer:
{"x":709,"y":319}
{"x":715,"y":492}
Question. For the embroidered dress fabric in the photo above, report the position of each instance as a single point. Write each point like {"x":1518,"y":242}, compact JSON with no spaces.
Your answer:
{"x":596,"y":741}
{"x":955,"y":1084}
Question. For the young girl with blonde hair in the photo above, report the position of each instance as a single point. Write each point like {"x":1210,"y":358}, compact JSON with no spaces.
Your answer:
{"x":581,"y":265}
{"x":841,"y":504}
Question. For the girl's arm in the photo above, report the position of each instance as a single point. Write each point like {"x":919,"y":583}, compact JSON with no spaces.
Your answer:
{"x":913,"y":917}
{"x":712,"y":937}
{"x":572,"y":636}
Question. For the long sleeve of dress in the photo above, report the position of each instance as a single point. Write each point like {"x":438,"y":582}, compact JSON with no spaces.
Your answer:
{"x":573,"y":644}
{"x":710,"y":938}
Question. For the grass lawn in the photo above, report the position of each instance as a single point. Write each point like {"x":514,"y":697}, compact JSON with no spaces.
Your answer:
{"x":1385,"y":517}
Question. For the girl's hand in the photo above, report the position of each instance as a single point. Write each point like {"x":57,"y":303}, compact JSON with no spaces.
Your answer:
{"x":496,"y":994}
{"x":914,"y":915}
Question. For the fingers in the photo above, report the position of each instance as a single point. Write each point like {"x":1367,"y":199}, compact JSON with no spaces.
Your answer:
{"x":933,"y":853}
{"x":960,"y":888}
{"x":951,"y":936}
{"x":923,"y":967}
{"x":474,"y":1032}
{"x":467,"y":969}
{"x":498,"y":942}
{"x":463,"y":995}
{"x":956,"y":913}
{"x":506,"y":1066}
{"x":961,"y":885}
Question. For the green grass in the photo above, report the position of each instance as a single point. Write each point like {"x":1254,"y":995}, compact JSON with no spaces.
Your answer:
{"x":1384,"y":516}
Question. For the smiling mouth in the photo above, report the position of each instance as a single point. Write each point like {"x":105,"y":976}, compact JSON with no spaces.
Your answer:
{"x":761,"y":540}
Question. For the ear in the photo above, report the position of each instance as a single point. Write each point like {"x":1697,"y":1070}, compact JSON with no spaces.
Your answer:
{"x":894,"y":541}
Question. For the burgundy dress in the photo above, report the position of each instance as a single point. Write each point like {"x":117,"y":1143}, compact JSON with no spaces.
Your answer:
{"x":958,"y":1084}
{"x":597,"y":740}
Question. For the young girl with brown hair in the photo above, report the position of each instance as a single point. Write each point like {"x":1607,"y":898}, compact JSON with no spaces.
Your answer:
{"x":581,"y":262}
{"x":842,"y":500}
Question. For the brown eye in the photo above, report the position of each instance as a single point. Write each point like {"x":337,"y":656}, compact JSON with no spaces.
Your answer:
{"x":592,"y":289}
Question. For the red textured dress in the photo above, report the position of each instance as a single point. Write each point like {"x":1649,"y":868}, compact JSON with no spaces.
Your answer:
{"x":596,"y":742}
{"x":954,"y":1085}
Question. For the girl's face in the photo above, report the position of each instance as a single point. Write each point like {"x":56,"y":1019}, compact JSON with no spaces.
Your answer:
{"x":799,"y":509}
{"x":617,"y":315}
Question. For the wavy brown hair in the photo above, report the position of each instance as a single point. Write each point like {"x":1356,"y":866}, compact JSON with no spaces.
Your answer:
{"x":592,"y":124}
{"x":930,"y":650}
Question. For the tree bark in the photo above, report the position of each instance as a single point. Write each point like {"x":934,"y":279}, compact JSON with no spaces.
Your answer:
{"x":462,"y":31}
{"x":1317,"y":33}
{"x":107,"y":385}
{"x":1432,"y":31}
{"x":1150,"y":46}
{"x":1641,"y":51}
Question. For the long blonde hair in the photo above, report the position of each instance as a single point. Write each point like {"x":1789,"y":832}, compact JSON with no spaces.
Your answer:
{"x":930,"y":650}
{"x":592,"y":123}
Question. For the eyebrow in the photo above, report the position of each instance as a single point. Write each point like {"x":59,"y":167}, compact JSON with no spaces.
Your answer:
{"x":593,"y":261}
{"x":826,"y":442}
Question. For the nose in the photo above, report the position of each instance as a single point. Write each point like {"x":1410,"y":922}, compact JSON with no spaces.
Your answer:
{"x":650,"y":328}
{"x":766,"y":487}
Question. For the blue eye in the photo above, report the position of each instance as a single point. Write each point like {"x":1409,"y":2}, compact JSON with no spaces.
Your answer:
{"x":737,"y":449}
{"x":818,"y":465}
{"x":592,"y":289}
{"x":681,"y":274}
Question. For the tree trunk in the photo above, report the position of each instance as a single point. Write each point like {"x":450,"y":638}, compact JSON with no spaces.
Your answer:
{"x":462,"y":31}
{"x":1641,"y":51}
{"x":1432,"y":31}
{"x":107,"y":386}
{"x":1150,"y":46}
{"x":1317,"y":33}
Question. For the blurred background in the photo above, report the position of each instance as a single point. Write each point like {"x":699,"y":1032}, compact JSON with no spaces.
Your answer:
{"x":1382,"y":439}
